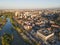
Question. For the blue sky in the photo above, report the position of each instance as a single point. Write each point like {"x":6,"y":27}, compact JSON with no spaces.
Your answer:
{"x":23,"y":4}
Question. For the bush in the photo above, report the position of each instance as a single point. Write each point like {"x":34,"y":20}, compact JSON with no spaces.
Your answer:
{"x":7,"y":39}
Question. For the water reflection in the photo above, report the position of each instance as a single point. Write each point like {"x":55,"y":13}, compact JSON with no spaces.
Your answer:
{"x":7,"y":28}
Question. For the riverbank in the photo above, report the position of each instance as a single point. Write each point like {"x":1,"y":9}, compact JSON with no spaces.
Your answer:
{"x":2,"y":23}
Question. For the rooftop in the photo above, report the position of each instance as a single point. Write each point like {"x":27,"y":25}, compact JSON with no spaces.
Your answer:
{"x":45,"y":32}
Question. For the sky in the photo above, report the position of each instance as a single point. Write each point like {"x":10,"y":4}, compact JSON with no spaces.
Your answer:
{"x":29,"y":4}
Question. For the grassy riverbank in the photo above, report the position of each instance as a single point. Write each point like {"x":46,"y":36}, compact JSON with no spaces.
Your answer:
{"x":2,"y":22}
{"x":7,"y":39}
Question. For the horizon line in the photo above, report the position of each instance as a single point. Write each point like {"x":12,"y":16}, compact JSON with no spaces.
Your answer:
{"x":32,"y":8}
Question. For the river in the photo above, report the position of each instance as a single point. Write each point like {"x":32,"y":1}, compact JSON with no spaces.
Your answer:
{"x":8,"y":28}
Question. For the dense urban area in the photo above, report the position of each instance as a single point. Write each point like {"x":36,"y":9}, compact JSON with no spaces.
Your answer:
{"x":30,"y":27}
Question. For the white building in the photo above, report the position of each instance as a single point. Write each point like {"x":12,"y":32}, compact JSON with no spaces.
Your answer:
{"x":43,"y":37}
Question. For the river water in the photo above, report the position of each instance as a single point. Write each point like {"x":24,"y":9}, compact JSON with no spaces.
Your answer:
{"x":7,"y":28}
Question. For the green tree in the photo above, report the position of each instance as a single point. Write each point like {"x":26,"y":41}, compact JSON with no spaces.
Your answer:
{"x":7,"y":39}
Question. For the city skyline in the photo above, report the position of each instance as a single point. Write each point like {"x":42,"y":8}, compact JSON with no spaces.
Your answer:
{"x":29,"y":4}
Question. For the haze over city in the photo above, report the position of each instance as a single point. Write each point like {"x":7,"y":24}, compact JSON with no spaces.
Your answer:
{"x":29,"y":22}
{"x":29,"y":4}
